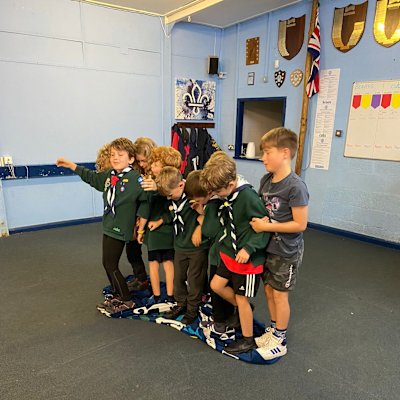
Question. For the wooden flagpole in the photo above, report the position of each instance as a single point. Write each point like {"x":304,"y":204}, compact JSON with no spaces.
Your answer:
{"x":304,"y":110}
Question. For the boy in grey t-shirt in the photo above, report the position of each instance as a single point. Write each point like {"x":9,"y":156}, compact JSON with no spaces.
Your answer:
{"x":285,"y":196}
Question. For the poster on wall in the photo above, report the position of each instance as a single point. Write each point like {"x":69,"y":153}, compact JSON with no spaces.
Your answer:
{"x":194,"y":99}
{"x":374,"y":120}
{"x":325,"y":118}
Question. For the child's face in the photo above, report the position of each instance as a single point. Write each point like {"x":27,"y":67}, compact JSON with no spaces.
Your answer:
{"x":274,"y":158}
{"x":120,"y":159}
{"x":176,"y":194}
{"x":201,"y":199}
{"x":142,"y":161}
{"x":225,"y":192}
{"x":156,"y":168}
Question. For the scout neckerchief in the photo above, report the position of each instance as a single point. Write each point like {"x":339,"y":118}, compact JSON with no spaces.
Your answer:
{"x":225,"y":212}
{"x":179,"y":224}
{"x":110,"y":206}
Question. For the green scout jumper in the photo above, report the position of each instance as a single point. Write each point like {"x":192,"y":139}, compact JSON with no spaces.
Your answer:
{"x":183,"y":240}
{"x":213,"y":229}
{"x":247,"y":206}
{"x":161,"y":238}
{"x":130,"y":202}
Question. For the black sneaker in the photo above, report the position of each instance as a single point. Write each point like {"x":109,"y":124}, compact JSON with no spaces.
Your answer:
{"x":175,"y":312}
{"x":242,"y":345}
{"x":188,"y":319}
{"x":138,"y":286}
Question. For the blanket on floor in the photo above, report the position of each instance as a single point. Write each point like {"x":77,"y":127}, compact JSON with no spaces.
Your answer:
{"x":146,"y":310}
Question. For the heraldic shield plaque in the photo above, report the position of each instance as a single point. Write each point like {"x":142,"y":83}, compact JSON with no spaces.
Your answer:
{"x":348,"y":26}
{"x":387,"y":22}
{"x":291,"y":36}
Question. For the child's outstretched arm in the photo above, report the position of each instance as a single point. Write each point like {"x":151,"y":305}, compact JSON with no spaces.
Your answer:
{"x":63,"y":162}
{"x":298,"y":224}
{"x":93,"y":178}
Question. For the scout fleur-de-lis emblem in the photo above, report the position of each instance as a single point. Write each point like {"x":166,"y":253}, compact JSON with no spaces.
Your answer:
{"x":387,"y":22}
{"x":348,"y":26}
{"x":196,"y":99}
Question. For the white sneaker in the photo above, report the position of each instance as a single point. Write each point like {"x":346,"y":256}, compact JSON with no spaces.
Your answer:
{"x":263,"y":340}
{"x":274,"y":349}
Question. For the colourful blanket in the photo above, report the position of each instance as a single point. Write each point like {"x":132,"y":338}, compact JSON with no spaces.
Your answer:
{"x":146,"y":310}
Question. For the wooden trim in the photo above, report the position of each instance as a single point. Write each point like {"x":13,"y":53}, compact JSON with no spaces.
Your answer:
{"x":304,"y":109}
{"x":209,"y":125}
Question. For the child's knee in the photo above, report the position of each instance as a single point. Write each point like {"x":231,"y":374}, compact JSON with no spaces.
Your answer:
{"x":215,"y":285}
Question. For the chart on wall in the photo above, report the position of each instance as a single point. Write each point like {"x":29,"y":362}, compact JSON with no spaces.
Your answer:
{"x":194,"y":99}
{"x":374,"y":120}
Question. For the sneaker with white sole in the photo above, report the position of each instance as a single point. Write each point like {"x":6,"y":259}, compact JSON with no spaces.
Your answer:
{"x":263,"y":340}
{"x":275,"y":348}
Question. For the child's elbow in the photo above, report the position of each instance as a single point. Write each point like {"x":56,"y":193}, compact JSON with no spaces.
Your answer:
{"x":303,"y":227}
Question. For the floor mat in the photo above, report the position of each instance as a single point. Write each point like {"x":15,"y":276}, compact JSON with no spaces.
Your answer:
{"x":147,"y":310}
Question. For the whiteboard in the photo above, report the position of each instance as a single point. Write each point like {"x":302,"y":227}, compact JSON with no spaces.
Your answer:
{"x":373,"y":129}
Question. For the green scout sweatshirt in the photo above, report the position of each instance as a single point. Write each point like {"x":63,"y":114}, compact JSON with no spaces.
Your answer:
{"x":212,"y":229}
{"x":183,"y":240}
{"x":161,"y":238}
{"x":246,"y":206}
{"x":130,"y":201}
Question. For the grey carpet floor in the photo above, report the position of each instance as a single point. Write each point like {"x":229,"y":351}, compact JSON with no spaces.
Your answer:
{"x":343,"y":342}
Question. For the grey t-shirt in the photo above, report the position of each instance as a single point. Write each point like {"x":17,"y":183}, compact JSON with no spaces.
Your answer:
{"x":279,"y":198}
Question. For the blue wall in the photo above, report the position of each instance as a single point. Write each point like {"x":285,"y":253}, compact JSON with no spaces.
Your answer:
{"x":87,"y":74}
{"x":73,"y":77}
{"x":357,"y":195}
{"x":191,"y":46}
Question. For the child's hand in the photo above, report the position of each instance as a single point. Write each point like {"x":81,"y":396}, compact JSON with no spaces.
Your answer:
{"x":153,"y":225}
{"x":63,"y":162}
{"x":260,"y":224}
{"x":198,"y":207}
{"x":196,"y":237}
{"x":140,"y":237}
{"x":242,"y":257}
{"x":148,"y":184}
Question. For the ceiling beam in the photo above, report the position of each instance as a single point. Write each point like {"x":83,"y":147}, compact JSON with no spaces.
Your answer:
{"x":189,"y":10}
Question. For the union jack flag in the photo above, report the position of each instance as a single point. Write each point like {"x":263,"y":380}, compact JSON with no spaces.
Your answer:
{"x":314,"y":48}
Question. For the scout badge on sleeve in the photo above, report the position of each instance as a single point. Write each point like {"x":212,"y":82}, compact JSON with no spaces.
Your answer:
{"x":348,"y":26}
{"x":279,"y":77}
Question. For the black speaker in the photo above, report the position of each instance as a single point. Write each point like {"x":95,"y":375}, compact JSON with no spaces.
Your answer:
{"x":212,"y":65}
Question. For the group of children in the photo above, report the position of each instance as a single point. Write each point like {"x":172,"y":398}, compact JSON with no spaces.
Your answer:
{"x":212,"y":218}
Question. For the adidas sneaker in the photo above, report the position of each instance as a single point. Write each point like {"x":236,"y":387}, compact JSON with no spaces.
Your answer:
{"x":263,"y":340}
{"x":275,"y":348}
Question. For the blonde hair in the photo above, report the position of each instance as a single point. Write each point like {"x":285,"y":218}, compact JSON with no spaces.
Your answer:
{"x":219,"y":170}
{"x":145,"y":146}
{"x":103,"y":158}
{"x":281,"y":138}
{"x":123,"y":144}
{"x":168,"y":179}
{"x":193,"y":187}
{"x":168,"y":156}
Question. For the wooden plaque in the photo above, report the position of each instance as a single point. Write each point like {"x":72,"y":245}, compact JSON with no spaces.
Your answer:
{"x":252,"y":51}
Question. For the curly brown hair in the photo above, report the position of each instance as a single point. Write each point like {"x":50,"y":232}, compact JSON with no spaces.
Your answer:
{"x":103,"y":158}
{"x":124,"y":144}
{"x":167,"y":155}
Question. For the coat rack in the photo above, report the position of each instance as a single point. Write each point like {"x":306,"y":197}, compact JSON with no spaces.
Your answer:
{"x":209,"y":125}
